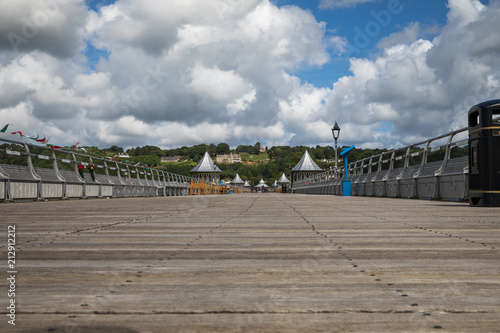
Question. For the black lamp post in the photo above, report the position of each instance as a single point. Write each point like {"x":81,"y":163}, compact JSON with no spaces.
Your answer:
{"x":336,"y":133}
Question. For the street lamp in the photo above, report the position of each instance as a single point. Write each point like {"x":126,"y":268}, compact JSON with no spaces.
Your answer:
{"x":336,"y":133}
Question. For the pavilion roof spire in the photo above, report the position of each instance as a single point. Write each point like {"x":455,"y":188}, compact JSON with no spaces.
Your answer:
{"x":306,"y":163}
{"x":283,"y":179}
{"x":237,"y":180}
{"x":206,"y":165}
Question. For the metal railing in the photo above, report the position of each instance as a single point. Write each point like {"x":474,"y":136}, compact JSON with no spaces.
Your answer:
{"x":428,"y":172}
{"x":32,"y":172}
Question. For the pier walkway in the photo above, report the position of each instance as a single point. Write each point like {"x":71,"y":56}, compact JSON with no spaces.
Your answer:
{"x":253,"y":263}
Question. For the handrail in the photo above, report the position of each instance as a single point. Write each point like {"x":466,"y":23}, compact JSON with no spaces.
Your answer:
{"x":101,"y":185}
{"x":373,"y":171}
{"x":118,"y":179}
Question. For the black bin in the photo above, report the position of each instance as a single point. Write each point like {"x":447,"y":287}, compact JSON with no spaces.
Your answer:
{"x":484,"y":154}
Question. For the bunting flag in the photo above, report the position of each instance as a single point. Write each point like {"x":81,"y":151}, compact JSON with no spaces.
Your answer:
{"x":18,"y":132}
{"x":43,"y":141}
{"x":34,"y":137}
{"x":73,"y":147}
{"x":4,"y":128}
{"x":54,"y":147}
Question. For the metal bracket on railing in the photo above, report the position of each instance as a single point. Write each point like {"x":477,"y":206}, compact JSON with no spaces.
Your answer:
{"x":370,"y":164}
{"x":3,"y":174}
{"x":119,"y":173}
{"x":391,"y":165}
{"x":406,"y":163}
{"x":30,"y":163}
{"x":424,"y":159}
{"x":447,"y":155}
{"x":75,"y":167}
{"x":106,"y":171}
{"x":33,"y":173}
{"x":56,"y":167}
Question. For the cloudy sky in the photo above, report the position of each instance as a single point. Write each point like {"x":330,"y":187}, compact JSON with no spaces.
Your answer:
{"x":183,"y":72}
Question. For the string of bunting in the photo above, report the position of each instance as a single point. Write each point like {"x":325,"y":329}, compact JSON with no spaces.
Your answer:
{"x":92,"y":150}
{"x":43,"y":141}
{"x":36,"y":138}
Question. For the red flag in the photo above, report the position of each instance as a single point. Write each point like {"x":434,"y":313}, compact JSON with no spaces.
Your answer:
{"x":44,"y":140}
{"x":73,"y":147}
{"x":18,"y":132}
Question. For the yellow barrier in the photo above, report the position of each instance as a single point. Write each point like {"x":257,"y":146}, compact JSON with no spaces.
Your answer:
{"x":194,"y":188}
{"x":202,"y":188}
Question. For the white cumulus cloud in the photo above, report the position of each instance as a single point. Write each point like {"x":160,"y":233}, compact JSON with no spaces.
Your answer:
{"x":185,"y":72}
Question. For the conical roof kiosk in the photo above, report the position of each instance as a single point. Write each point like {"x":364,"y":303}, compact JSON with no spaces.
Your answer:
{"x":206,"y":170}
{"x":305,"y":168}
{"x":261,"y":183}
{"x":283,"y":179}
{"x":237,"y":181}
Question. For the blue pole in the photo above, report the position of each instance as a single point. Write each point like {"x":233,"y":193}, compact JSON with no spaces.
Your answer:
{"x":346,"y":167}
{"x":346,"y":184}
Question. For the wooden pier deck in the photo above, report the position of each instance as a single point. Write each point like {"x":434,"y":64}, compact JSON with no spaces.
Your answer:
{"x":252,"y":263}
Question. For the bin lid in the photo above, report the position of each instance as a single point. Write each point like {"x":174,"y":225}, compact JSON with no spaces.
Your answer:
{"x":488,"y":103}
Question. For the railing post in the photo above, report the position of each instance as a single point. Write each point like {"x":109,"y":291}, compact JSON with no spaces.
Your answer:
{"x":424,"y":159}
{"x":163,"y":183}
{"x":447,"y":154}
{"x":95,"y":179}
{"x":58,"y":174}
{"x":405,"y":166}
{"x":75,"y":165}
{"x":391,"y":165}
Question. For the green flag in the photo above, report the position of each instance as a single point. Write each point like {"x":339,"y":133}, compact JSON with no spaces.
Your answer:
{"x":4,"y":129}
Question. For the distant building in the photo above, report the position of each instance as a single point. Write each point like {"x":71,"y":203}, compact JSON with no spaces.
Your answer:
{"x":123,"y":155}
{"x":262,"y":149}
{"x":228,"y":158}
{"x":170,"y":158}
